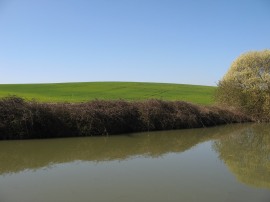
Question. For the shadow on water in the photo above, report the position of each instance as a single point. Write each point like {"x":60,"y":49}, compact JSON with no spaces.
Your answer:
{"x":244,"y":148}
{"x":246,"y":152}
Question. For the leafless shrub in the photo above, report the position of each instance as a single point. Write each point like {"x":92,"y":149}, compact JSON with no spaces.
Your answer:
{"x":22,"y":120}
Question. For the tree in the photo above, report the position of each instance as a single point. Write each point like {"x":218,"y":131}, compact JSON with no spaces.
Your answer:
{"x":246,"y":85}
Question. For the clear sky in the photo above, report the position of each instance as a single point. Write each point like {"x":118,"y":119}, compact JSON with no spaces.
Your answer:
{"x":172,"y":41}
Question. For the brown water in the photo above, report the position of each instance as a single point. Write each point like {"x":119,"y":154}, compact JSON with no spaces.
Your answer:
{"x":228,"y":163}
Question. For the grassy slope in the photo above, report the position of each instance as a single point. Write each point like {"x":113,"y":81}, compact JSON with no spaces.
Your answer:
{"x":78,"y":92}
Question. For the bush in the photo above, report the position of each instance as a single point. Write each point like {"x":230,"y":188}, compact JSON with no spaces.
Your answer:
{"x":23,"y":120}
{"x":246,"y":85}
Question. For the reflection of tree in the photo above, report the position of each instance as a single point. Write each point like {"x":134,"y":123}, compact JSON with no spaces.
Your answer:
{"x":247,"y":154}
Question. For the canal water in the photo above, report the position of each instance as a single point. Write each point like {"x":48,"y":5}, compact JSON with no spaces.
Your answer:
{"x":219,"y":164}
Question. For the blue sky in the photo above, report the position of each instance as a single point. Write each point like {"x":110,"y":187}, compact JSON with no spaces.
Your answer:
{"x":172,"y":41}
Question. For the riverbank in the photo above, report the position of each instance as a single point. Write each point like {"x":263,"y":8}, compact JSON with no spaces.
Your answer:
{"x":20,"y":119}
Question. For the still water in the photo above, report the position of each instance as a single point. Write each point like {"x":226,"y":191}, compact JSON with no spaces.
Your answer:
{"x":227,"y":163}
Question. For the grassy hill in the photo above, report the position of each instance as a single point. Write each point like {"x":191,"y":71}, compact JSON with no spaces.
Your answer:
{"x":80,"y":92}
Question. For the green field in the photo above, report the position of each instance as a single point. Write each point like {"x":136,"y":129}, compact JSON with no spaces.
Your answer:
{"x":81,"y":92}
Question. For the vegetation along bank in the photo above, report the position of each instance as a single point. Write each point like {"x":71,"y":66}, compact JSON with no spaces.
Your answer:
{"x":20,"y":119}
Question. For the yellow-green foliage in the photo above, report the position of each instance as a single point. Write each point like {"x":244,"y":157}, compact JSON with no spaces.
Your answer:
{"x":247,"y":84}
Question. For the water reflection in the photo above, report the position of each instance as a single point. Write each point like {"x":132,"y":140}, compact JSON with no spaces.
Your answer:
{"x":246,"y":152}
{"x":33,"y":154}
{"x":245,"y":149}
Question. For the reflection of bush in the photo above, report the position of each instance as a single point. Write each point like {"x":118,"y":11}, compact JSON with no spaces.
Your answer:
{"x":247,"y":154}
{"x":20,"y":155}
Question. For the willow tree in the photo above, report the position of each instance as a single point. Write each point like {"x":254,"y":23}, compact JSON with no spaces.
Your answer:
{"x":246,"y":85}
